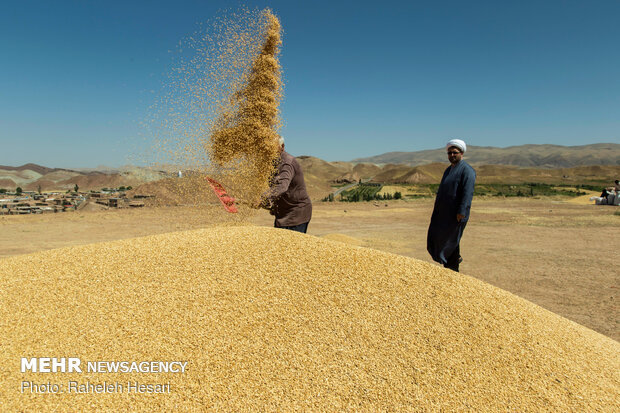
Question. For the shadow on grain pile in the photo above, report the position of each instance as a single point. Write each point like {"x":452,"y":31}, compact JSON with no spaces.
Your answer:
{"x":269,"y":319}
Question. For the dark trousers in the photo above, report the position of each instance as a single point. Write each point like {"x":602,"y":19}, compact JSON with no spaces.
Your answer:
{"x":454,"y":260}
{"x":299,"y":228}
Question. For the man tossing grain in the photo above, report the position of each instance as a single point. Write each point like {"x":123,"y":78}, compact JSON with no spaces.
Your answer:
{"x":452,"y":205}
{"x":287,"y":198}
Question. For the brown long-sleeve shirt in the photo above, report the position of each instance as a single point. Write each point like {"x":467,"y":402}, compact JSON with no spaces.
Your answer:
{"x":289,"y":199}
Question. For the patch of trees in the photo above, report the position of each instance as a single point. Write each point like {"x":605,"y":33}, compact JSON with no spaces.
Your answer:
{"x":119,"y":189}
{"x":363,"y":192}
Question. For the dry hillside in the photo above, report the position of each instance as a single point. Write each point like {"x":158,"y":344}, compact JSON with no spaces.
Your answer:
{"x":322,"y":176}
{"x":324,"y":172}
{"x":31,"y":177}
{"x":536,"y":156}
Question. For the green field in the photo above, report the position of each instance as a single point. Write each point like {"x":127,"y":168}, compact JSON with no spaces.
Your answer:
{"x":371,"y":192}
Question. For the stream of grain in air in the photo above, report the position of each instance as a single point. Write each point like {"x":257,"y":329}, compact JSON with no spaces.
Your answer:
{"x":218,"y":113}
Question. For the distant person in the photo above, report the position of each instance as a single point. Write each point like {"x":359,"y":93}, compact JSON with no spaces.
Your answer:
{"x":615,"y":187}
{"x":611,"y":189}
{"x":452,"y":206}
{"x":287,"y":198}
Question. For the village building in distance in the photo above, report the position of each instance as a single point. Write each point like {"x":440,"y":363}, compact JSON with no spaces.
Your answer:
{"x":29,"y":202}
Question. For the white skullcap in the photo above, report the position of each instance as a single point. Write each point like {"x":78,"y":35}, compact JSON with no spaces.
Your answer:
{"x":458,"y":143}
{"x":280,"y":141}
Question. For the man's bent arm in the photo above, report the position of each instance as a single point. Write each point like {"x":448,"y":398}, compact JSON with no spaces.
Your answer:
{"x":282,"y":181}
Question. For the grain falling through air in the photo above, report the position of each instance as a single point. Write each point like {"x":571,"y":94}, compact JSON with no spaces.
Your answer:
{"x":218,"y":114}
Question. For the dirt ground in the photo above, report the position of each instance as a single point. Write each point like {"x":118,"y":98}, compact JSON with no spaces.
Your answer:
{"x":560,"y":254}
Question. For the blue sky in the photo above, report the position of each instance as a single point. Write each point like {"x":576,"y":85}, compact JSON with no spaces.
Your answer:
{"x":361,"y":78}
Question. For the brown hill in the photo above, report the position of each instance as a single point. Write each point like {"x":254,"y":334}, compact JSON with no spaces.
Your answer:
{"x":31,"y":177}
{"x":578,"y":175}
{"x":43,"y":184}
{"x":7,"y":183}
{"x":402,"y":174}
{"x":539,"y":156}
{"x":320,"y":175}
{"x":19,"y":178}
{"x":392,"y":174}
{"x":349,"y":177}
{"x":432,"y":173}
{"x":323,"y":170}
{"x":97,"y":181}
{"x":31,"y":167}
{"x":366,"y":170}
{"x":345,"y":166}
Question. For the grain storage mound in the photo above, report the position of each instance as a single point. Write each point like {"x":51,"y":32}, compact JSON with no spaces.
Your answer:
{"x":344,"y":238}
{"x":274,"y":320}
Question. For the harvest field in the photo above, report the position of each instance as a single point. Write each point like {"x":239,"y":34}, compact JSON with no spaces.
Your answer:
{"x":560,"y":253}
{"x":492,"y":189}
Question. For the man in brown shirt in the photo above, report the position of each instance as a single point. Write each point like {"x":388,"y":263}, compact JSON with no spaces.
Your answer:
{"x":287,"y":199}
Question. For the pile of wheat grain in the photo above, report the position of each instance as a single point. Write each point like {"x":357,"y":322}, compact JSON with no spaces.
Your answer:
{"x":273,"y":320}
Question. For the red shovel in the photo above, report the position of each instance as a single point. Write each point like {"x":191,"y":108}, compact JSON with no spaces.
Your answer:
{"x":227,"y":201}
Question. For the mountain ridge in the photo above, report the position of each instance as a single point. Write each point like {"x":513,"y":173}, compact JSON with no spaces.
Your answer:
{"x":529,"y":155}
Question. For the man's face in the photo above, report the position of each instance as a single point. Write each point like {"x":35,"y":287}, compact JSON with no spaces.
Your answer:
{"x":454,"y":155}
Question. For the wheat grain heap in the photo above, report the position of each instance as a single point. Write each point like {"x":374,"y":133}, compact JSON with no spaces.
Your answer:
{"x":272,"y":320}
